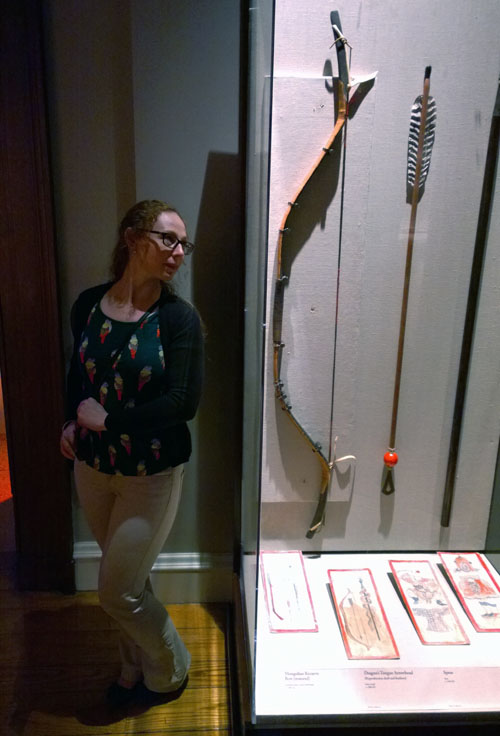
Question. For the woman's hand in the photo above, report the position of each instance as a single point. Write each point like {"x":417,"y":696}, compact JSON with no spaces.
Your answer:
{"x":91,"y":415}
{"x":67,"y":441}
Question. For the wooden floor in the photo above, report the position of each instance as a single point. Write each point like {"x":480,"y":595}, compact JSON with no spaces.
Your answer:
{"x":58,"y":654}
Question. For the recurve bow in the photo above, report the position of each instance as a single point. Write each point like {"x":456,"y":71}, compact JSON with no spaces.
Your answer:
{"x":326,"y":463}
{"x":349,"y":614}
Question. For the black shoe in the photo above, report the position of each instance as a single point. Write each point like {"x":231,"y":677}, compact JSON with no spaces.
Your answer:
{"x":144,"y":696}
{"x":119,"y":696}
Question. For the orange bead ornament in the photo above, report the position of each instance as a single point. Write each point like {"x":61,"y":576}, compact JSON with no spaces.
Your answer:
{"x":391,"y":458}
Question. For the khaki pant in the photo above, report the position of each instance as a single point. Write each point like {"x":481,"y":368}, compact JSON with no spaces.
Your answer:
{"x":131,"y":518}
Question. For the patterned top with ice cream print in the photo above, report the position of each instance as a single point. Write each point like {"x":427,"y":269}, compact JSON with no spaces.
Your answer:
{"x":134,"y":376}
{"x":151,"y":393}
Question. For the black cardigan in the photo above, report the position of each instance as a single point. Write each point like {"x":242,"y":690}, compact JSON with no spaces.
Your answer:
{"x":182,"y":341}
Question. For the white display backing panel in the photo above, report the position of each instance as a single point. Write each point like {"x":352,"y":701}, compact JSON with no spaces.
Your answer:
{"x":310,"y":674}
{"x":460,"y":40}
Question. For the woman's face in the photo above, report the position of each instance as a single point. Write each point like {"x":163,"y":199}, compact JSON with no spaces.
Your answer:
{"x":157,"y":260}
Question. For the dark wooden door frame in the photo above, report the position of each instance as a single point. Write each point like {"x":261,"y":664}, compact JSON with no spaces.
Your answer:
{"x":31,"y":358}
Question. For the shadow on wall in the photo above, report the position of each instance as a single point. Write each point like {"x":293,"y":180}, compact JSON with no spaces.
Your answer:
{"x":218,"y":295}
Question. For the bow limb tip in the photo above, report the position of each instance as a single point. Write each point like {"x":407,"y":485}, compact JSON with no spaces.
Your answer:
{"x":316,"y":525}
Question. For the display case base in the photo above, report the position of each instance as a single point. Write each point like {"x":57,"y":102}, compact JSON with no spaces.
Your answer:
{"x":305,"y":681}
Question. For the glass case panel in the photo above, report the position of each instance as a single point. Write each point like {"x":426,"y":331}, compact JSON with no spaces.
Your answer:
{"x":382,"y":220}
{"x":257,"y":185}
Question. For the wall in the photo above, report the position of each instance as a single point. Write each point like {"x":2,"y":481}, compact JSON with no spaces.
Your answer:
{"x":89,"y":86}
{"x":399,"y":40}
{"x":144,"y":102}
{"x":90,"y":108}
{"x":187,"y":136}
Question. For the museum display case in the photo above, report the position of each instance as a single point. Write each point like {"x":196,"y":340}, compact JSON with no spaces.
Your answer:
{"x":368,"y":587}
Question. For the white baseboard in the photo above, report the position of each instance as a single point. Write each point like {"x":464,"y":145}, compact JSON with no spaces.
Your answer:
{"x":182,"y":577}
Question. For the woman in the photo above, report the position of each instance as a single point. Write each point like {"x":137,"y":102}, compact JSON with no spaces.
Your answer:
{"x":134,"y":382}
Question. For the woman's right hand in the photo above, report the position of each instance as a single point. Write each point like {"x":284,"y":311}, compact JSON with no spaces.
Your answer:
{"x":67,"y":441}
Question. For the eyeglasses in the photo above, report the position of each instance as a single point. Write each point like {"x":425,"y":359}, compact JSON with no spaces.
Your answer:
{"x":171,"y":242}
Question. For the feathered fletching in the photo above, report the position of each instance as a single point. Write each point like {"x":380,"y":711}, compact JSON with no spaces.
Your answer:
{"x":430,"y":127}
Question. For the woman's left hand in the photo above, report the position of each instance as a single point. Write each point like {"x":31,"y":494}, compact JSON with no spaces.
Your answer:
{"x":92,"y":415}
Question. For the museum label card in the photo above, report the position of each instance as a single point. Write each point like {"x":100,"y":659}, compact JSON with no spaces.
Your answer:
{"x":425,"y":598}
{"x":476,"y":588}
{"x":364,"y":626}
{"x":286,"y":591}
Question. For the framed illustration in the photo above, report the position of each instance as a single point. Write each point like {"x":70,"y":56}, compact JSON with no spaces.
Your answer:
{"x":286,"y":591}
{"x":364,"y":626}
{"x":476,"y":588}
{"x":425,"y":598}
